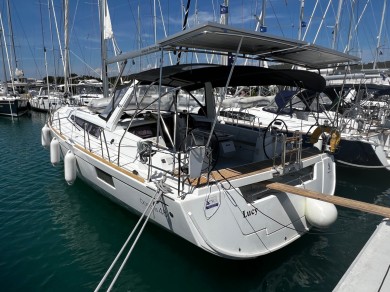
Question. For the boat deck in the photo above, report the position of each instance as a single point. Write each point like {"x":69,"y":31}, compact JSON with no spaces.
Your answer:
{"x":370,"y":271}
{"x":241,"y":171}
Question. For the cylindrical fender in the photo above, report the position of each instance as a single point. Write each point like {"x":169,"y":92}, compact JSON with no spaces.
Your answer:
{"x":70,"y":167}
{"x":45,"y":136}
{"x":54,"y":151}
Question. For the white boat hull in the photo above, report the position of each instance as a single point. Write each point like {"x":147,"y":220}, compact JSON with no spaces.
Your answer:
{"x":219,"y":221}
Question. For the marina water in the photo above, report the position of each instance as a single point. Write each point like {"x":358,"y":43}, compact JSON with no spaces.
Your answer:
{"x":55,"y":237}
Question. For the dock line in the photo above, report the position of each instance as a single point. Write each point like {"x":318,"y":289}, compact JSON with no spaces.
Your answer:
{"x":149,"y":210}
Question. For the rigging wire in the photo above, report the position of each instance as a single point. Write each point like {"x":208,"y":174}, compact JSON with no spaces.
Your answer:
{"x":10,"y":28}
{"x":28,"y":42}
{"x":277,"y":19}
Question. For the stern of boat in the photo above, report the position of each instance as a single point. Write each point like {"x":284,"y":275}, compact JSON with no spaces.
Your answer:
{"x":241,"y":220}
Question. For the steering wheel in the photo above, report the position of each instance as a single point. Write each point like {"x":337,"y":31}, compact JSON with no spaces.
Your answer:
{"x":275,"y":127}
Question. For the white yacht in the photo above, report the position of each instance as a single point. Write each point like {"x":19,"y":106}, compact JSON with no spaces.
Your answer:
{"x":87,"y":91}
{"x":338,"y":119}
{"x":190,"y":174}
{"x":47,"y":99}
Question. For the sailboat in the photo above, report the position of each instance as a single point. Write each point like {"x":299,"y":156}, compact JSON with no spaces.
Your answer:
{"x":11,"y":104}
{"x":47,"y":99}
{"x":86,"y":91}
{"x":356,"y":133}
{"x":194,"y":176}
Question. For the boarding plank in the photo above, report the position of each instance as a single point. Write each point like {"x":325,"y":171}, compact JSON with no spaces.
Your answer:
{"x":340,"y":201}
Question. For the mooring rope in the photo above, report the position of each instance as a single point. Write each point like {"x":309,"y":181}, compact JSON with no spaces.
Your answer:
{"x":149,"y":208}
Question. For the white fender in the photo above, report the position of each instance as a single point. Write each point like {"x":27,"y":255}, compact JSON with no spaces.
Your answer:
{"x":320,"y":214}
{"x":70,"y":167}
{"x":45,"y":136}
{"x":54,"y":151}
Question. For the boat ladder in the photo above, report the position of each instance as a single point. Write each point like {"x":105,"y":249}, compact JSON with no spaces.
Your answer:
{"x":291,"y":154}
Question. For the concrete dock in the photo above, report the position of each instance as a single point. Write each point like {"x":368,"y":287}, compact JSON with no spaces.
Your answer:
{"x":370,"y":271}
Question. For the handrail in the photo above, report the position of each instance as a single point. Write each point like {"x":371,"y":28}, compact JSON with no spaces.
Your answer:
{"x":105,"y":142}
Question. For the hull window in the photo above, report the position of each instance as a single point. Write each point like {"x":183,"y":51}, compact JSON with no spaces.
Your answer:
{"x":104,"y":176}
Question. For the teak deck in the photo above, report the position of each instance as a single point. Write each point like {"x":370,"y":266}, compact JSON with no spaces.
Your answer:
{"x":243,"y":170}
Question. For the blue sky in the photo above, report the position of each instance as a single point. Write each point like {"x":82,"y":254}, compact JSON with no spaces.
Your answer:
{"x":31,"y":17}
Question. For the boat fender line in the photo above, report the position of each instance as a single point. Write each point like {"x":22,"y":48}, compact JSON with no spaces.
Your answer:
{"x":362,"y":166}
{"x":147,"y":212}
{"x":334,"y":139}
{"x":45,"y":136}
{"x":219,"y":250}
{"x":70,"y":167}
{"x":54,"y":151}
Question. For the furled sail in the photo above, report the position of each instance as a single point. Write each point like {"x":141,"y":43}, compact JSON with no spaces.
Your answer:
{"x":108,"y":34}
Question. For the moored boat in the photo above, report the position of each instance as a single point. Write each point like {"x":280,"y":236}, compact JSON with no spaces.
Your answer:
{"x":13,"y":106}
{"x":194,"y":176}
{"x":47,"y":99}
{"x":354,"y":121}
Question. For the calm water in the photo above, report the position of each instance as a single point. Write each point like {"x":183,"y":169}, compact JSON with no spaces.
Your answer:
{"x":55,"y":237}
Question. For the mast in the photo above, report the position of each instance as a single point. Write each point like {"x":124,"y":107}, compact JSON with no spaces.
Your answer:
{"x":58,"y":33}
{"x":44,"y":51}
{"x":66,"y":46}
{"x":301,"y":22}
{"x":139,"y":34}
{"x":7,"y":55}
{"x":52,"y":44}
{"x":348,"y":47}
{"x":262,"y":17}
{"x":224,"y":10}
{"x":103,"y":36}
{"x":263,"y":28}
{"x":155,"y":29}
{"x":155,"y":21}
{"x":11,"y":31}
{"x":3,"y":59}
{"x":184,"y":27}
{"x":336,"y":25}
{"x":380,"y":34}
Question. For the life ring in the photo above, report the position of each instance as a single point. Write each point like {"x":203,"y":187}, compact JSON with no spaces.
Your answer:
{"x":334,"y":139}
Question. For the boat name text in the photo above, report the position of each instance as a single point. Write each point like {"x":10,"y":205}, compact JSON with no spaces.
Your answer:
{"x":160,"y":209}
{"x":250,"y":212}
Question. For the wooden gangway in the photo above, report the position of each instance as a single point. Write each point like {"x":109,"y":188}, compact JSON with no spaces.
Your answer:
{"x":336,"y":200}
